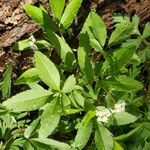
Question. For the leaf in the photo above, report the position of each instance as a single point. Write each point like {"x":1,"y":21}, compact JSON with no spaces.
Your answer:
{"x":70,"y":13}
{"x":85,"y":63}
{"x":57,"y":7}
{"x":41,"y":17}
{"x":6,"y":84}
{"x":120,"y":58}
{"x":32,"y":128}
{"x":65,"y":100}
{"x":27,"y":101}
{"x":49,"y":143}
{"x":28,"y":77}
{"x":47,"y":71}
{"x":16,"y":144}
{"x":127,"y":135}
{"x":121,"y":33}
{"x":42,"y":44}
{"x":121,"y":83}
{"x":89,"y":115}
{"x":132,"y":42}
{"x":72,"y":111}
{"x":69,"y":85}
{"x":146,"y":32}
{"x":3,"y":111}
{"x":136,"y":20}
{"x":35,"y":86}
{"x":103,"y":138}
{"x":96,"y":45}
{"x":49,"y":119}
{"x":117,"y":146}
{"x":83,"y":135}
{"x":84,"y":49}
{"x":98,"y":28}
{"x":124,"y":118}
{"x":22,"y":45}
{"x":29,"y":145}
{"x":62,"y":48}
{"x":78,"y":98}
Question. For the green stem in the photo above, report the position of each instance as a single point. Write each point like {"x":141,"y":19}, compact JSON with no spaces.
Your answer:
{"x":144,"y":41}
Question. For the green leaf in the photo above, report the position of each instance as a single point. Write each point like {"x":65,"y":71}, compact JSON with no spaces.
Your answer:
{"x":117,"y":146}
{"x":136,"y":20}
{"x":118,"y":59}
{"x":69,"y":85}
{"x":57,"y":7}
{"x":32,"y":128}
{"x":83,"y":135}
{"x":41,"y":17}
{"x":127,"y":135}
{"x":121,"y":83}
{"x":96,"y":45}
{"x":27,"y":101}
{"x":103,"y":138}
{"x":72,"y":111}
{"x":62,"y":49}
{"x":6,"y":84}
{"x":132,"y":42}
{"x":89,"y":115}
{"x":84,"y":49}
{"x":70,"y":13}
{"x":49,"y":144}
{"x":98,"y":28}
{"x":85,"y":63}
{"x":47,"y":71}
{"x":42,"y":44}
{"x":35,"y":86}
{"x":49,"y":119}
{"x":65,"y":100}
{"x":29,"y":145}
{"x":146,"y":32}
{"x":22,"y":45}
{"x":121,"y":33}
{"x":78,"y":98}
{"x":28,"y":77}
{"x":124,"y":118}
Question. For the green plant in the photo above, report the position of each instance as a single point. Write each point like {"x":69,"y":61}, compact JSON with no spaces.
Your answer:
{"x":95,"y":94}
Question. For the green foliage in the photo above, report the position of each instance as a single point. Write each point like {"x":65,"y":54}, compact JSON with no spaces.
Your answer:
{"x":28,"y":77}
{"x":57,"y":7}
{"x":70,"y":13}
{"x":124,"y":118}
{"x":47,"y":71}
{"x":49,"y":118}
{"x":27,"y":101}
{"x":6,"y":84}
{"x":40,"y":16}
{"x":121,"y":33}
{"x":92,"y":99}
{"x":103,"y":138}
{"x":98,"y":28}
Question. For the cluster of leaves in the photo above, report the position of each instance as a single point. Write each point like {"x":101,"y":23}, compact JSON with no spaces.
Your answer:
{"x":62,"y":99}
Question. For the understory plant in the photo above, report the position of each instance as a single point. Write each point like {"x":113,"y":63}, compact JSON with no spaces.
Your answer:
{"x":92,"y":98}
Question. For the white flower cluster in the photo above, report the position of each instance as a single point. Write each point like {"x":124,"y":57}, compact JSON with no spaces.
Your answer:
{"x":119,"y":107}
{"x":104,"y":113}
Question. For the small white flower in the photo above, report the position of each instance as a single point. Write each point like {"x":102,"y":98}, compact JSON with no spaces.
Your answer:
{"x":32,"y":42}
{"x":102,"y":114}
{"x":119,"y":107}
